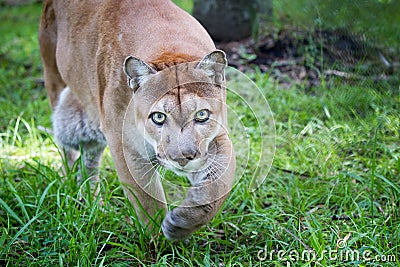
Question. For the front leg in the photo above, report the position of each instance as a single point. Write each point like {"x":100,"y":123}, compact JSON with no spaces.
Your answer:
{"x":136,"y":173}
{"x":139,"y":179}
{"x":206,"y":196}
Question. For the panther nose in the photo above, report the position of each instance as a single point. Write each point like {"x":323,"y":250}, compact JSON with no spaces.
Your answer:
{"x":187,"y":156}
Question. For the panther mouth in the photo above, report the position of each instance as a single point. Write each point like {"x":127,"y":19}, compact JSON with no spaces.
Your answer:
{"x":191,"y":166}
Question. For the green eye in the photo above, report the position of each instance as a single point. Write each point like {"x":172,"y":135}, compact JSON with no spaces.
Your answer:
{"x":158,"y":118}
{"x":202,"y":115}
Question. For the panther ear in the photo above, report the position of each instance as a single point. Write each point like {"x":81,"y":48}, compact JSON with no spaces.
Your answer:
{"x":214,"y":64}
{"x":138,"y":72}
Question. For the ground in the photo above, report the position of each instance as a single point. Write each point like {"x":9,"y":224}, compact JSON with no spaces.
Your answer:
{"x":299,"y":57}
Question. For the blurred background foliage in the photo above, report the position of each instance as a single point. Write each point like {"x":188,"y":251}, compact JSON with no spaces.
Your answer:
{"x":378,"y":20}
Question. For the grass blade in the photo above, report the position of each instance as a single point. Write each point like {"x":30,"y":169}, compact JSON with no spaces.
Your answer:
{"x":42,"y":197}
{"x":18,"y":198}
{"x":10,"y":211}
{"x":387,"y":181}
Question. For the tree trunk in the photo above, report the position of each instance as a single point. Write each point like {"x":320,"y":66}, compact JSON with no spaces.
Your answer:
{"x":229,"y":20}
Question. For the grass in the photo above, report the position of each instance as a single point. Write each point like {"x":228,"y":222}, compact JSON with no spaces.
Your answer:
{"x":334,"y":184}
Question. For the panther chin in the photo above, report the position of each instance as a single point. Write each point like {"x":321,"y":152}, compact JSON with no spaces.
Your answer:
{"x":196,"y":165}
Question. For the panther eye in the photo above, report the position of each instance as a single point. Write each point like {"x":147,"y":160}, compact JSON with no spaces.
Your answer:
{"x":202,"y":115}
{"x":158,"y":118}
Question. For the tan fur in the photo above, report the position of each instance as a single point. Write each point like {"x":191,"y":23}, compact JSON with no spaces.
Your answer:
{"x":84,"y":45}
